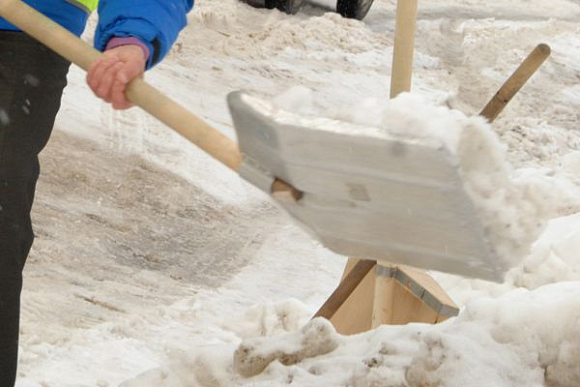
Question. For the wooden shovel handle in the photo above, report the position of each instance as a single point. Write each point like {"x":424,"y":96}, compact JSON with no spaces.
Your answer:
{"x":518,"y":79}
{"x":139,"y":92}
{"x":404,"y":47}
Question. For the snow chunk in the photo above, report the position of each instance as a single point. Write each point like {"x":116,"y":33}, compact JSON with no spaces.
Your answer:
{"x":316,"y":338}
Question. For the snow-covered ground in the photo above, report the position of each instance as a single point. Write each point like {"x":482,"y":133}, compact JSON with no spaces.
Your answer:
{"x":153,"y":262}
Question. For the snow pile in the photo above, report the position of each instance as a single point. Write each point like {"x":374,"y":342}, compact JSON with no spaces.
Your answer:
{"x":524,"y":338}
{"x":554,"y":256}
{"x":513,"y":211}
{"x":284,"y":34}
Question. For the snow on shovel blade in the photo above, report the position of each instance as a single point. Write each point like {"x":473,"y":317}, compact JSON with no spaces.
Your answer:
{"x":367,"y":196}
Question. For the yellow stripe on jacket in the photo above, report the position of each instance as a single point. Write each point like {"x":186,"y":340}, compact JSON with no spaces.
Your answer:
{"x":87,"y":5}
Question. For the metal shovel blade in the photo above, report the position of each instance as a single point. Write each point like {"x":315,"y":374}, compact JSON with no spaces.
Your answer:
{"x":367,"y":196}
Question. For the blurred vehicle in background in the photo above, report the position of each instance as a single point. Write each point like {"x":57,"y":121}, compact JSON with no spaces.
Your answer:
{"x":354,"y":9}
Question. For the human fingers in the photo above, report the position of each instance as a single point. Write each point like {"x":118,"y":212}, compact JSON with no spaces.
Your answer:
{"x":133,"y":60}
{"x":96,"y":71}
{"x":118,"y":97}
{"x":105,"y":88}
{"x":133,"y":68}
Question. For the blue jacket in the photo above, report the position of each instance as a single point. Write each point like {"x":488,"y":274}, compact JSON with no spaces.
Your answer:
{"x":155,"y":22}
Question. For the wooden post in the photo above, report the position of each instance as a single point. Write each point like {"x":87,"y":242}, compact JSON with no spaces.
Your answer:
{"x":517,"y":80}
{"x":404,"y":47}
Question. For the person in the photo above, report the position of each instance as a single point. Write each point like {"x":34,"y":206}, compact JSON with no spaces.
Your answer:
{"x":135,"y":35}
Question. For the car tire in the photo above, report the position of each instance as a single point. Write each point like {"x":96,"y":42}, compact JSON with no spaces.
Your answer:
{"x":353,"y":9}
{"x":291,"y":7}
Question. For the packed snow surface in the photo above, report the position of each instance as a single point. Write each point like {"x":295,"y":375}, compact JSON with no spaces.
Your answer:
{"x":154,"y":265}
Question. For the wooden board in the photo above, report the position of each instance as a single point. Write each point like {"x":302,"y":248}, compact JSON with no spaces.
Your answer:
{"x":394,"y":295}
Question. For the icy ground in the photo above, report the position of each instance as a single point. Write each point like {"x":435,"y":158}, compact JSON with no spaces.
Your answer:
{"x":151,"y":259}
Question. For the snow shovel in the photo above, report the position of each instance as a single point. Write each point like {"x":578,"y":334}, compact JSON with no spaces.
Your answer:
{"x":355,"y":193}
{"x":379,"y":199}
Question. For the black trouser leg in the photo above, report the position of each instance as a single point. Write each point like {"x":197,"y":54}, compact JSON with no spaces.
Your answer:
{"x":31,"y":82}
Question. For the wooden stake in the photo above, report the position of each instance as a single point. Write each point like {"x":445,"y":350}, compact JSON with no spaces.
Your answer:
{"x":404,"y":47}
{"x":518,"y":79}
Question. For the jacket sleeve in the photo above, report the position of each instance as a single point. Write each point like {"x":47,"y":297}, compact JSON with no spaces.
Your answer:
{"x":155,"y":22}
